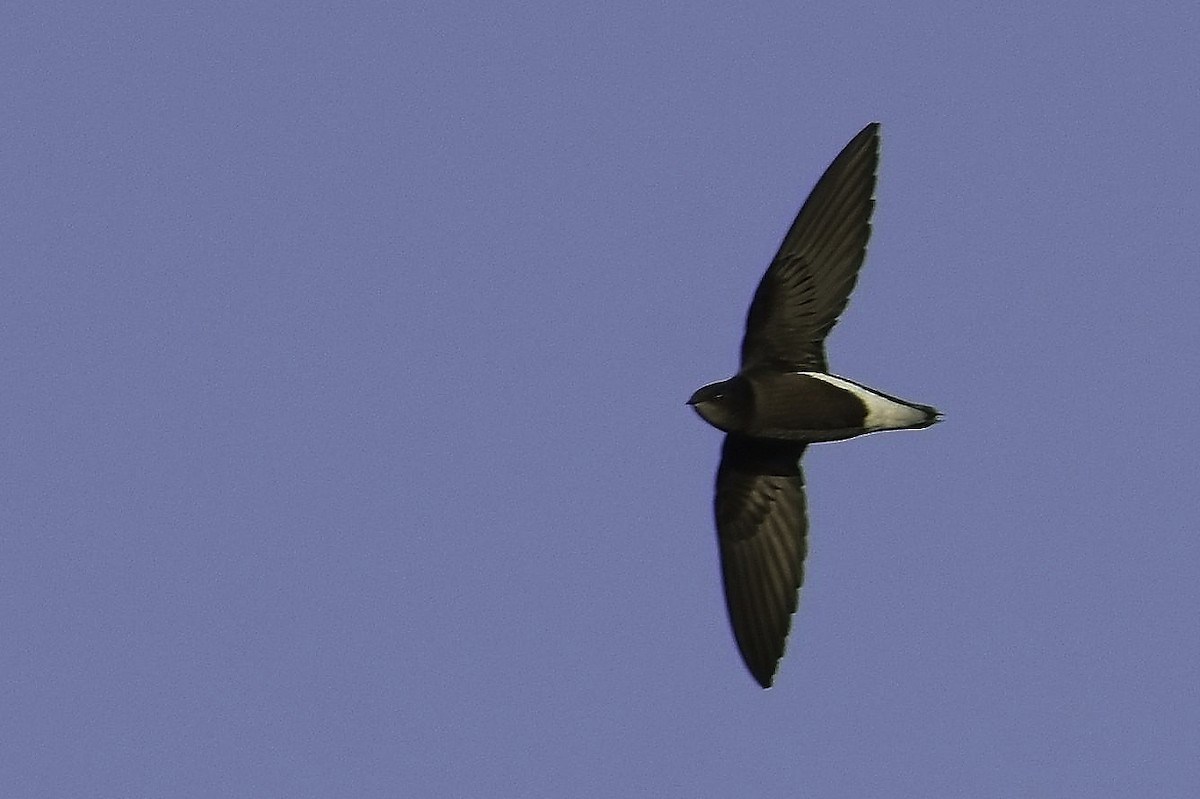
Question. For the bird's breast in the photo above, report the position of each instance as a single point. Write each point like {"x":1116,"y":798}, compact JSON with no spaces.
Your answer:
{"x":805,"y":406}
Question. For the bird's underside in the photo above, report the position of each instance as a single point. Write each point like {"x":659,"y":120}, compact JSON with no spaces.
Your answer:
{"x":783,"y":398}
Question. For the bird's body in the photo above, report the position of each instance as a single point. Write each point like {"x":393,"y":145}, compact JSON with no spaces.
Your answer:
{"x":805,"y":406}
{"x":784,"y":398}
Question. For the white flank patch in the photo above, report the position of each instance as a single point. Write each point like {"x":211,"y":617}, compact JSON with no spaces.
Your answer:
{"x":883,"y":413}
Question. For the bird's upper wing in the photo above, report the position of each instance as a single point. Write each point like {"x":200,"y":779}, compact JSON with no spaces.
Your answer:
{"x":761,"y":526}
{"x":807,"y":285}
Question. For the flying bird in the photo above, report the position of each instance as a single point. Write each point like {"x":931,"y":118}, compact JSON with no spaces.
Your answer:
{"x":784,"y":398}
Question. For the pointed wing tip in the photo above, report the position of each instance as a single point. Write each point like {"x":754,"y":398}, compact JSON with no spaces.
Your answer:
{"x":763,"y":670}
{"x":762,"y":665}
{"x":764,"y":679}
{"x":868,"y":138}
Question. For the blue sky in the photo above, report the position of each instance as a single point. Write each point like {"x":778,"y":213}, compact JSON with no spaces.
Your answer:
{"x":344,"y":364}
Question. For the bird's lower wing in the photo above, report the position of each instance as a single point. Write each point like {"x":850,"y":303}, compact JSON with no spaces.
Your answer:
{"x":761,"y":527}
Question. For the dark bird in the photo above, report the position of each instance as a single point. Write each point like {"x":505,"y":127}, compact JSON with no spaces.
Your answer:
{"x":784,"y":398}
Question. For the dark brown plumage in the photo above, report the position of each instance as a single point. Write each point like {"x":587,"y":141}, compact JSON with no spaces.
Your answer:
{"x":808,"y":283}
{"x":783,"y":398}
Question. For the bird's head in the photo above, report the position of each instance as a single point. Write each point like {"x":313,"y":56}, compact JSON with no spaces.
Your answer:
{"x":724,"y":405}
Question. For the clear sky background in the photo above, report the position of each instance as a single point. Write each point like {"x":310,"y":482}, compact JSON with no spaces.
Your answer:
{"x":345,"y":351}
